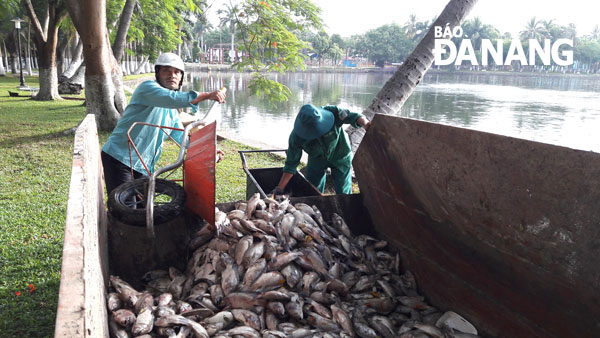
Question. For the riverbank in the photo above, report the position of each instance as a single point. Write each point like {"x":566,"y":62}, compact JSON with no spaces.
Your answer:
{"x":204,"y":67}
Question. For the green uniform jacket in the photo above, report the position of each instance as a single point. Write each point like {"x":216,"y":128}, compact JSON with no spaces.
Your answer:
{"x":333,"y":146}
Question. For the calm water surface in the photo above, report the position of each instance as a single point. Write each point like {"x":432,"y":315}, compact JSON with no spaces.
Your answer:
{"x":558,"y":110}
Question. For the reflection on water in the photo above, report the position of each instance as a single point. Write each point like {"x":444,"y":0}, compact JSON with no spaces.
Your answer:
{"x":551,"y":109}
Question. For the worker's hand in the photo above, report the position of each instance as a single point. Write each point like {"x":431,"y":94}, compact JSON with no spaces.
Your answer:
{"x":220,"y":155}
{"x":367,"y":125}
{"x":277,"y":191}
{"x":218,"y":95}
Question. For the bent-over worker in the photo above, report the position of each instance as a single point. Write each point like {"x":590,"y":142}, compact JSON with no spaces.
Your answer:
{"x":154,"y":102}
{"x":318,"y":131}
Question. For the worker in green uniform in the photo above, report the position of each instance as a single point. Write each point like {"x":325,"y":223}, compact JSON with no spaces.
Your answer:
{"x":318,"y":131}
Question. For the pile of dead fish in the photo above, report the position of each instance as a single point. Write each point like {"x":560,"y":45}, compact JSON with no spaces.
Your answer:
{"x":273,"y":269}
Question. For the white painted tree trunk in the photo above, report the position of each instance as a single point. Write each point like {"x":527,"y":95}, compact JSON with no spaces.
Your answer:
{"x":2,"y":69}
{"x":75,"y":61}
{"x":48,"y":85}
{"x":400,"y":86}
{"x":142,"y":65}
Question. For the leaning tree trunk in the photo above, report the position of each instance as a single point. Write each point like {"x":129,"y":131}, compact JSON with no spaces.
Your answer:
{"x":124,"y":21}
{"x":103,"y":78}
{"x":141,"y":65}
{"x":400,"y":86}
{"x":75,"y":61}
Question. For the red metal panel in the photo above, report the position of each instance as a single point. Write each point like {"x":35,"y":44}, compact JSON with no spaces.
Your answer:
{"x":199,"y":172}
{"x":502,"y":230}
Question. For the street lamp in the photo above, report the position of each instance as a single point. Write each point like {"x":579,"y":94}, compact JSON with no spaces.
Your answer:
{"x":17,"y":22}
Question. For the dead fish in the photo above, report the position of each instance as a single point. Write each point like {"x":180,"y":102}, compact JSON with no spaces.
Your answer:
{"x":243,"y":300}
{"x":244,"y":331}
{"x":198,"y":330}
{"x":263,"y":215}
{"x":430,"y":330}
{"x":338,"y":286}
{"x":292,"y":274}
{"x":248,"y":318}
{"x":145,"y":301}
{"x":322,"y":323}
{"x":267,"y":281}
{"x":341,"y":317}
{"x":271,"y":321}
{"x":265,"y":226}
{"x":307,"y":281}
{"x":216,"y":293}
{"x":116,"y":330}
{"x":253,"y":272}
{"x":251,"y":204}
{"x":276,"y":308}
{"x":236,"y":214}
{"x":124,"y":317}
{"x":282,"y":259}
{"x":340,"y":225}
{"x":221,"y":317}
{"x":320,"y":309}
{"x":113,"y":301}
{"x":383,"y":326}
{"x":126,"y":292}
{"x":242,"y":246}
{"x":144,"y":322}
{"x":229,"y":279}
{"x":253,"y":253}
{"x":294,"y":308}
{"x":164,"y":310}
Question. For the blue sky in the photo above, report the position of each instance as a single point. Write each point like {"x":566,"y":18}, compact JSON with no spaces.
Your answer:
{"x":349,"y":17}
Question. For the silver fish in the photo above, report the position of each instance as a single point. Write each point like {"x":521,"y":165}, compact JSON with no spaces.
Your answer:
{"x":124,"y":317}
{"x":282,"y":259}
{"x":245,"y":331}
{"x":322,"y":323}
{"x":276,"y":308}
{"x":252,"y":273}
{"x":144,"y":322}
{"x":242,"y":246}
{"x":340,"y":225}
{"x":116,"y":330}
{"x":243,"y":300}
{"x":292,"y":274}
{"x":341,"y":317}
{"x":383,"y":326}
{"x":251,"y":204}
{"x":248,"y":318}
{"x":271,"y":321}
{"x":267,"y":281}
{"x":113,"y":301}
{"x":229,"y":279}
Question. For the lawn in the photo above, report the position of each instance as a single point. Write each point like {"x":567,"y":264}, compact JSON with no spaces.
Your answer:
{"x":35,"y":168}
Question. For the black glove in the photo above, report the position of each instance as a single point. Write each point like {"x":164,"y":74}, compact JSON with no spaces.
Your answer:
{"x":277,"y":191}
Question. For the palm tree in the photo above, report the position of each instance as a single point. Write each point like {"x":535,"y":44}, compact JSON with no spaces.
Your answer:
{"x":595,"y":33}
{"x":400,"y":86}
{"x":410,"y":27}
{"x":229,"y":15}
{"x":533,"y":30}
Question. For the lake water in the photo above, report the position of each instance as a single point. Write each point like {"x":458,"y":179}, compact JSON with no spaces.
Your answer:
{"x":551,"y":109}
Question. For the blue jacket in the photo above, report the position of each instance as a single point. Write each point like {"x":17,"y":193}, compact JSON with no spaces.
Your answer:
{"x":154,"y":104}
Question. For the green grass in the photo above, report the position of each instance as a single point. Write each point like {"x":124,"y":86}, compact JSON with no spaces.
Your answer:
{"x":35,"y":171}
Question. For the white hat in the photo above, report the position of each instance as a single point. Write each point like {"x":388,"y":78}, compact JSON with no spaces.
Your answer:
{"x":170,"y":59}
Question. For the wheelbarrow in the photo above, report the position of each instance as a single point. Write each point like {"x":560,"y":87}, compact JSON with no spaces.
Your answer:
{"x":152,"y":199}
{"x":259,"y":180}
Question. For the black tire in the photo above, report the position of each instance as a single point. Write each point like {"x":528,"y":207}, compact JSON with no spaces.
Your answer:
{"x":129,"y":210}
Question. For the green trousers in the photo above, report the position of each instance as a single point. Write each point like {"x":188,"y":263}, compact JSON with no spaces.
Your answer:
{"x":342,"y":176}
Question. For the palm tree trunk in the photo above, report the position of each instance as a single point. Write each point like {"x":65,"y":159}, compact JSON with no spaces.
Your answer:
{"x":400,"y":86}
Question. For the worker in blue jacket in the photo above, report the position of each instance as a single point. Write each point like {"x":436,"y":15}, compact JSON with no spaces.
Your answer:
{"x":318,"y":131}
{"x":154,"y":102}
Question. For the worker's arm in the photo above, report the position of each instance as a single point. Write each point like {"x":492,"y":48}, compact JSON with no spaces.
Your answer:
{"x":363,"y":122}
{"x":283,"y":182}
{"x":217,"y":95}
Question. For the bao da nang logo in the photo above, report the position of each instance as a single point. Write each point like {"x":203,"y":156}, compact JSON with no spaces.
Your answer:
{"x":446,"y":53}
